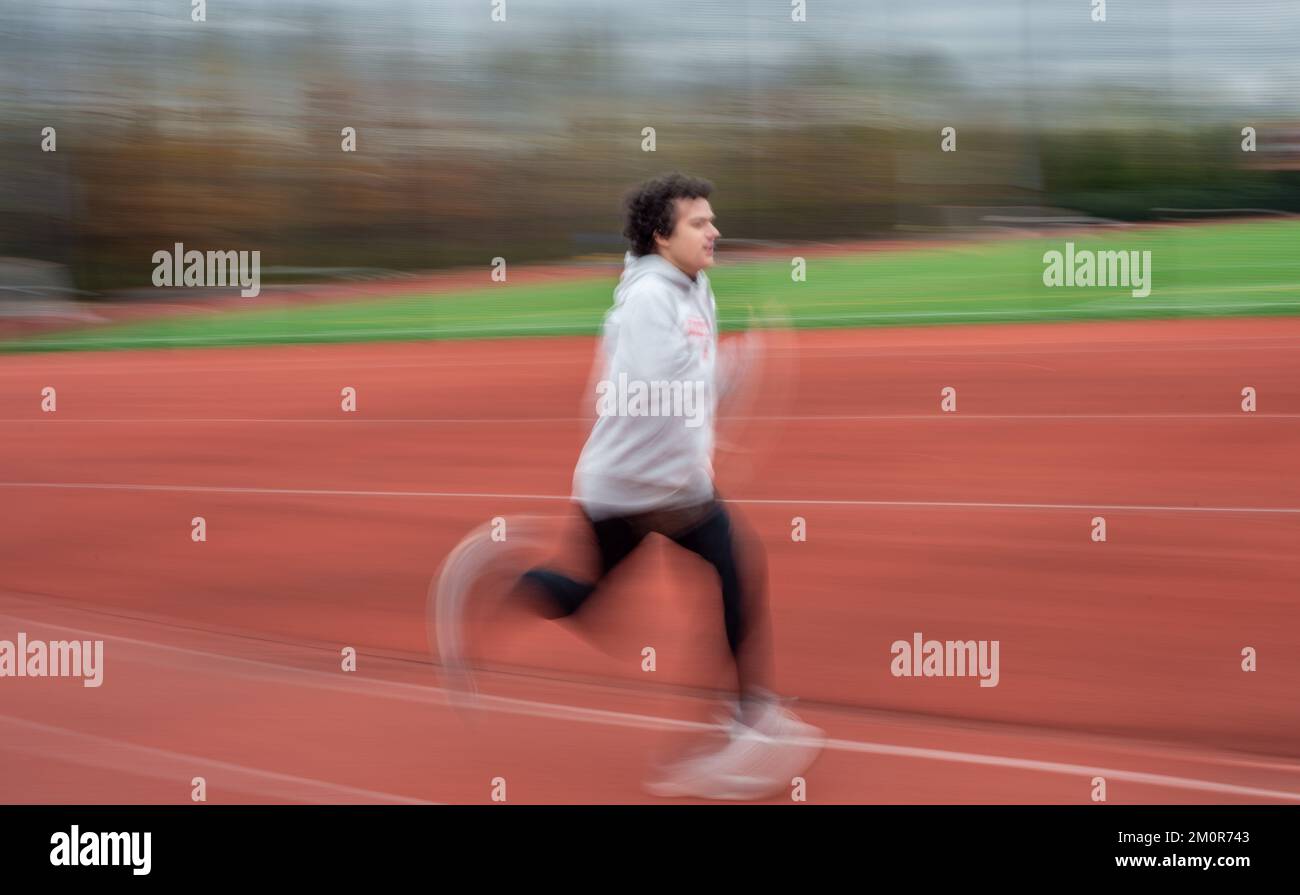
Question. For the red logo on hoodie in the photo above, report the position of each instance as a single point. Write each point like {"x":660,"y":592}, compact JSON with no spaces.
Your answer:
{"x":696,"y":327}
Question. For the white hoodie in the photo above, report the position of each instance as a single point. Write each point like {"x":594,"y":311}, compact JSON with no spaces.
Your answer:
{"x":661,"y":333}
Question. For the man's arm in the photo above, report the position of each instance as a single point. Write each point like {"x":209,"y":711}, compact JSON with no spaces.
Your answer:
{"x":740,"y":360}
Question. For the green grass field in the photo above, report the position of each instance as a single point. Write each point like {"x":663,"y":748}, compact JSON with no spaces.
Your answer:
{"x":1248,"y":268}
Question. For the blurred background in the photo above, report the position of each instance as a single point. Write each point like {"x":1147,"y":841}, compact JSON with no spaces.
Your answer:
{"x":474,"y":135}
{"x":478,"y":139}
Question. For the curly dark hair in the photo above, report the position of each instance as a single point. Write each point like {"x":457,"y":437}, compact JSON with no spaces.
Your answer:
{"x":650,"y":207}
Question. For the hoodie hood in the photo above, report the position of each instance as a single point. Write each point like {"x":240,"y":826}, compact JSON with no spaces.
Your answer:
{"x":636,"y":268}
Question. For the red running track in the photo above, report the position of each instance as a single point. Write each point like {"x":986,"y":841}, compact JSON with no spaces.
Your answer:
{"x":1120,"y":659}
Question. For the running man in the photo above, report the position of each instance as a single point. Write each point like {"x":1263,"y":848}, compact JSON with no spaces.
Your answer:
{"x":647,"y":468}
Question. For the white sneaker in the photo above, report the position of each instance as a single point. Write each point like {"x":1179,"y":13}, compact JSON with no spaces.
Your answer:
{"x":757,"y":761}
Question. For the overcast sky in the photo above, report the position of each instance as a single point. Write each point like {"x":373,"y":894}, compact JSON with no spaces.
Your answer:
{"x":1236,"y":52}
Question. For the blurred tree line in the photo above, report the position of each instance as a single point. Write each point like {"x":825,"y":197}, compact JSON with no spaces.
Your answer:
{"x":104,"y":208}
{"x":230,"y":144}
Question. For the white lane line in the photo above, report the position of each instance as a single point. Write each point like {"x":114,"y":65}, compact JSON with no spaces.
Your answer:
{"x":108,"y":364}
{"x":48,"y":741}
{"x":750,"y":501}
{"x":844,"y":417}
{"x":1056,"y":767}
{"x":153,"y":362}
{"x":590,"y":325}
{"x":527,"y":707}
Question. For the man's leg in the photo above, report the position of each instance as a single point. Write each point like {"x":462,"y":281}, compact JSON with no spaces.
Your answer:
{"x":555,"y":595}
{"x":741,"y":565}
{"x":769,"y":745}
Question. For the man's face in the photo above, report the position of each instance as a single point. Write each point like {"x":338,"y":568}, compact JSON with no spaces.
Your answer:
{"x":690,"y":247}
